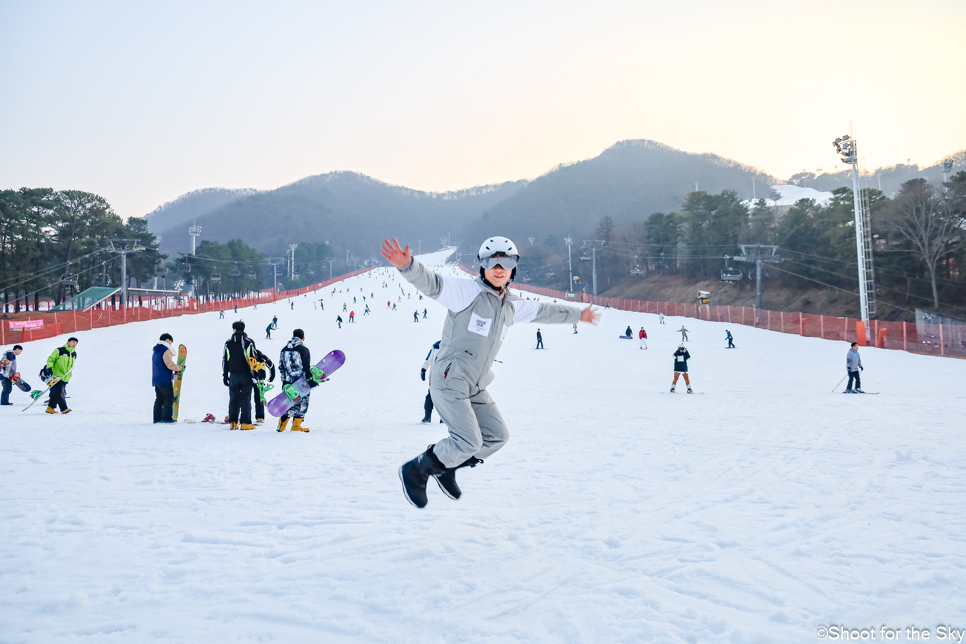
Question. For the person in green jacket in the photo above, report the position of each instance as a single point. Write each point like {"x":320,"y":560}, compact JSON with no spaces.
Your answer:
{"x":59,"y":366}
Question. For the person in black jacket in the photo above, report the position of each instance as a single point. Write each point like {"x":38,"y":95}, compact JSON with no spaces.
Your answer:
{"x":236,"y":372}
{"x":265,"y":372}
{"x":681,"y":357}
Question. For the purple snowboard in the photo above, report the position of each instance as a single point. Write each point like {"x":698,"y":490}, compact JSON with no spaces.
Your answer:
{"x":329,"y":364}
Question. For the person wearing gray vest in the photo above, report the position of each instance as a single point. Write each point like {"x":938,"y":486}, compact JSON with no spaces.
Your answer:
{"x":481,"y":311}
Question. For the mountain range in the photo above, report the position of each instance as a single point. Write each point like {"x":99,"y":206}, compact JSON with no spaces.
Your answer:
{"x":353,"y":212}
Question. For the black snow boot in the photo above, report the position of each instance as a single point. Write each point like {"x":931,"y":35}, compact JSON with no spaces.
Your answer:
{"x":447,"y":480}
{"x":416,"y":473}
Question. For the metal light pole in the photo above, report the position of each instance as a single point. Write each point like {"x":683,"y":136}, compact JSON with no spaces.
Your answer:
{"x":570,"y":285}
{"x":330,"y":268}
{"x":847,"y":148}
{"x":291,"y":271}
{"x":947,"y":168}
{"x":195,"y":232}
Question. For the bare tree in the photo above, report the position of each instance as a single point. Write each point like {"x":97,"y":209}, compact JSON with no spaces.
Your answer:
{"x":935,"y":231}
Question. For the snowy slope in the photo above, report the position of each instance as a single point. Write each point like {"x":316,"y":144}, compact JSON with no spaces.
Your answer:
{"x":755,"y":512}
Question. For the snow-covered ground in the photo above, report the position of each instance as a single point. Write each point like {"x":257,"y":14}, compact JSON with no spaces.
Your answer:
{"x":756,"y":512}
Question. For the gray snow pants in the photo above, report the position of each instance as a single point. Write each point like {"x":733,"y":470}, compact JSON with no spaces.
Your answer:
{"x":476,"y":427}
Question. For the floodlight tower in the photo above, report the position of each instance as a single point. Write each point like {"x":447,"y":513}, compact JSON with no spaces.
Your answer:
{"x":195,"y":232}
{"x":291,"y":271}
{"x":947,"y":168}
{"x":848,"y":150}
{"x":570,"y":285}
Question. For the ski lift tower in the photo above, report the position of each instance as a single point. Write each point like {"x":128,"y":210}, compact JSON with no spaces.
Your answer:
{"x":594,"y":247}
{"x":124,"y":247}
{"x":195,"y":232}
{"x":849,"y":152}
{"x":758,"y":254}
{"x":291,"y":250}
{"x":275,"y":262}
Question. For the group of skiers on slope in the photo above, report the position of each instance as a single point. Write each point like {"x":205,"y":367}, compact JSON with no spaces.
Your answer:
{"x":57,"y":370}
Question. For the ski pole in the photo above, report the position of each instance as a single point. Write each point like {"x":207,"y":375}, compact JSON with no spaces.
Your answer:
{"x":840,"y":383}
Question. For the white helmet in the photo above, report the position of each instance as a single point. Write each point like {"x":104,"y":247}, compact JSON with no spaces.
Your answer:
{"x":497,"y":245}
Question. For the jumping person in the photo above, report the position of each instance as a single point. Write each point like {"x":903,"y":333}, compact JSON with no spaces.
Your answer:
{"x":8,"y":372}
{"x":59,"y":366}
{"x":295,"y":362}
{"x":481,"y":310}
{"x":853,"y":364}
{"x":681,"y":357}
{"x":729,"y":338}
{"x":163,"y":367}
{"x":427,"y":365}
{"x":539,"y":339}
{"x":236,"y":374}
{"x":642,"y":335}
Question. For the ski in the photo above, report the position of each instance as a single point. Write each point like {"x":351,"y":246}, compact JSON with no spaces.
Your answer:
{"x":693,"y":393}
{"x":863,"y":393}
{"x":182,"y":355}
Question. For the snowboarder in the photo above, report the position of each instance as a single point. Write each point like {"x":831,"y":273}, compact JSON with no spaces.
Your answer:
{"x":366,"y":312}
{"x":415,"y":316}
{"x":393,"y":307}
{"x":681,"y":357}
{"x":729,"y":338}
{"x":425,"y":312}
{"x":684,"y":333}
{"x":628,"y":333}
{"x":291,"y":305}
{"x":294,"y":362}
{"x":642,"y":335}
{"x":853,"y":364}
{"x":427,"y":365}
{"x":221,"y":314}
{"x":321,"y":304}
{"x":268,"y":332}
{"x":481,"y":310}
{"x":8,"y":372}
{"x":539,"y":340}
{"x":236,"y":374}
{"x":661,"y":316}
{"x":59,"y":365}
{"x":265,"y":371}
{"x":338,"y":320}
{"x":163,"y":367}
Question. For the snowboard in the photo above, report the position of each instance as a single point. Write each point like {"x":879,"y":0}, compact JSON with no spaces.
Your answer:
{"x":182,"y":355}
{"x":292,"y":394}
{"x":626,"y":337}
{"x":38,"y":394}
{"x":20,"y":383}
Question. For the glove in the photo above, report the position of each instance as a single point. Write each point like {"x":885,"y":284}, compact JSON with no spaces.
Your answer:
{"x":224,"y":379}
{"x":48,"y":372}
{"x":422,"y":374}
{"x":862,"y":368}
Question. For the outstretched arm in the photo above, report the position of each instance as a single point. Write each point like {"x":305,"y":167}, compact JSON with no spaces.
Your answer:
{"x":453,"y":293}
{"x":398,"y":256}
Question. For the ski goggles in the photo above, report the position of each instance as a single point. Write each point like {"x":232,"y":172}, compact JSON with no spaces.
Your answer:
{"x":508,"y":263}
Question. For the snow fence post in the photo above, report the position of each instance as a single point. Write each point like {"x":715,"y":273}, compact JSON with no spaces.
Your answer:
{"x":801,"y":321}
{"x":881,"y":337}
{"x":942,"y":341}
{"x":781,"y":315}
{"x":905,"y":346}
{"x":860,"y":333}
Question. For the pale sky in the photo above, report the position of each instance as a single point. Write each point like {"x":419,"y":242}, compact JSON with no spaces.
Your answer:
{"x":141,"y":102}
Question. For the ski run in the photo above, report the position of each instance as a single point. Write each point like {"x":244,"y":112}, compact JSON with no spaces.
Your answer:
{"x":761,"y":511}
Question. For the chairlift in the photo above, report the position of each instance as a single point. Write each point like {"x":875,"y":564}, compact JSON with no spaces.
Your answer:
{"x":295,"y":276}
{"x":753,"y":274}
{"x":103,"y":278}
{"x":584,"y":258}
{"x":253,"y":276}
{"x":235,"y":272}
{"x":215,"y":278}
{"x":69,"y":279}
{"x":639,"y":271}
{"x":729,"y":273}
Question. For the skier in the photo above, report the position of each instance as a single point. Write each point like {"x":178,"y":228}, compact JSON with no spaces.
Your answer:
{"x":481,"y":310}
{"x":415,"y":316}
{"x":425,"y":312}
{"x":642,"y":334}
{"x":221,"y":314}
{"x":427,"y":365}
{"x":681,"y":357}
{"x":354,"y":299}
{"x":60,"y":362}
{"x":294,"y":363}
{"x":268,"y":332}
{"x":236,"y":308}
{"x":262,"y":368}
{"x":388,"y":304}
{"x":853,"y":363}
{"x":338,"y":320}
{"x":8,"y":372}
{"x":321,"y":304}
{"x":575,"y":326}
{"x":366,"y":312}
{"x":661,"y":317}
{"x":393,"y":307}
{"x":684,"y":333}
{"x":539,"y":340}
{"x":729,"y":338}
{"x":236,"y":373}
{"x":344,"y":307}
{"x":163,"y":367}
{"x":291,"y":305}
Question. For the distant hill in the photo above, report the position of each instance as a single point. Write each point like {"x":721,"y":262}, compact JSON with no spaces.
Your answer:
{"x":350,"y":210}
{"x":631,"y":179}
{"x":191,"y":205}
{"x":887,"y":179}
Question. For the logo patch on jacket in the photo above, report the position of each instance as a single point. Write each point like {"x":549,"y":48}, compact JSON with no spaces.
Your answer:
{"x":479,"y":326}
